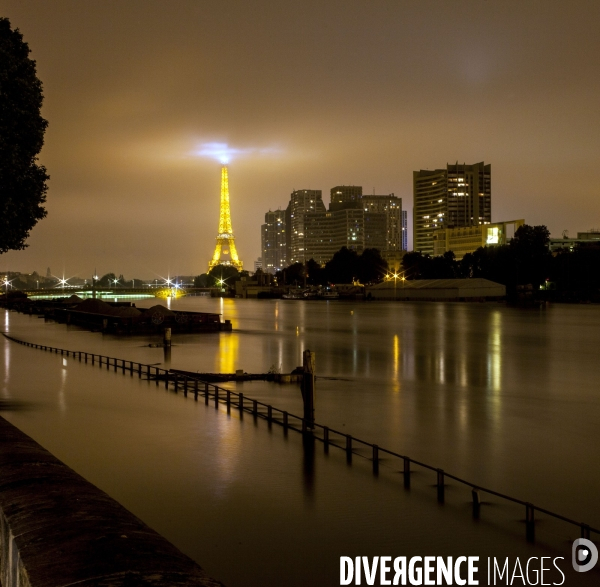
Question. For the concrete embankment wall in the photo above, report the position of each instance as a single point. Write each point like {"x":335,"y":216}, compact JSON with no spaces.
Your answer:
{"x":57,"y":529}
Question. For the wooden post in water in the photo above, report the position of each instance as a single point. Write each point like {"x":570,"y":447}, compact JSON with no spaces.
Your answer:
{"x":406,"y":472}
{"x":167,"y":337}
{"x":308,"y":388}
{"x":529,"y":522}
{"x":440,"y":485}
{"x":476,"y":502}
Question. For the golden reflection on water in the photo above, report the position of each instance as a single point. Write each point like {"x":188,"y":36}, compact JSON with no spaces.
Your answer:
{"x":494,"y":363}
{"x":228,"y":450}
{"x":227,"y":358}
{"x":396,"y":362}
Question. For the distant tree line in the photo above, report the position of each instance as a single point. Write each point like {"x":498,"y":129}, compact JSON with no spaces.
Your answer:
{"x":526,"y":260}
{"x":346,"y":266}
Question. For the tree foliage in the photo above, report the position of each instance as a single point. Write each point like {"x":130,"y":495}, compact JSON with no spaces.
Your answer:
{"x":22,"y":180}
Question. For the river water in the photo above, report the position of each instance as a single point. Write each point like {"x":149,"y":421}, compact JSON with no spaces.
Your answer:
{"x":506,"y":398}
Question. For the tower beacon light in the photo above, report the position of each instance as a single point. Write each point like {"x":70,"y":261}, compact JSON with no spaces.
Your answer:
{"x":225,"y":251}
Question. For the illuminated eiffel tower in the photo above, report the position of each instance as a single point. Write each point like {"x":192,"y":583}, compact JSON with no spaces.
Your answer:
{"x":225,"y":251}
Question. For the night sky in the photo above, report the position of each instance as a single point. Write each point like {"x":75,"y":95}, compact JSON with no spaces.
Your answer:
{"x":316,"y":94}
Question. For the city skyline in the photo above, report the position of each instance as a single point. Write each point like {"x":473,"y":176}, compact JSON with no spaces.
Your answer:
{"x":131,"y":190}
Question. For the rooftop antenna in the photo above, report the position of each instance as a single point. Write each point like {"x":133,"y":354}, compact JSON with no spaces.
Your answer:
{"x":565,"y":233}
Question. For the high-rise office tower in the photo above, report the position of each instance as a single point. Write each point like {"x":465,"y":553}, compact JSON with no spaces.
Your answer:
{"x":353,"y":228}
{"x":345,"y":196}
{"x":391,"y":206}
{"x":273,"y":242}
{"x":458,"y":196}
{"x":404,"y":230}
{"x":301,"y":203}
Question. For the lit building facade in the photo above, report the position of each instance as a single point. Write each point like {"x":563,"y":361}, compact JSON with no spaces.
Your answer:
{"x":404,"y":216}
{"x":273,"y":242}
{"x":344,"y":196}
{"x":354,"y":228}
{"x":468,"y":239}
{"x":302,"y":202}
{"x":391,"y":206}
{"x":456,"y":197}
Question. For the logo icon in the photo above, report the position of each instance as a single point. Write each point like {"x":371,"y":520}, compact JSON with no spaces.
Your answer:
{"x":585,"y":555}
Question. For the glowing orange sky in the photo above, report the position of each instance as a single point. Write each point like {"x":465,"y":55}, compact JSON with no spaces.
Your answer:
{"x":339,"y":92}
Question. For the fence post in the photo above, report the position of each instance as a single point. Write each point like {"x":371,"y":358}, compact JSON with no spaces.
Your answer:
{"x":406,"y":472}
{"x":530,"y":522}
{"x":440,"y":485}
{"x":476,"y":502}
{"x":308,"y":389}
{"x":375,"y":458}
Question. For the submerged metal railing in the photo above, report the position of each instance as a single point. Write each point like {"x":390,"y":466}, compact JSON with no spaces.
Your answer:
{"x":330,"y":437}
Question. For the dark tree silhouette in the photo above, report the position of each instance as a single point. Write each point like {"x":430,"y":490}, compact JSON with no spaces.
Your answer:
{"x":343,"y":266}
{"x":22,"y":181}
{"x":227,"y":273}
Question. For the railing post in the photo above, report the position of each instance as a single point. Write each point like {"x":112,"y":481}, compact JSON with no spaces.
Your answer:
{"x":131,"y":368}
{"x":241,"y":402}
{"x":156,"y":375}
{"x":348,"y":447}
{"x":326,"y":438}
{"x":440,"y":485}
{"x":195,"y":389}
{"x":285,"y":420}
{"x":185,"y":386}
{"x":269,"y":413}
{"x":86,"y":357}
{"x":123,"y":366}
{"x":176,"y":382}
{"x":228,"y":400}
{"x":139,"y":370}
{"x":254,"y":408}
{"x":375,"y":458}
{"x":216,"y":396}
{"x":530,"y":522}
{"x":166,"y":379}
{"x":115,"y":364}
{"x":206,"y":393}
{"x":476,"y":502}
{"x":406,"y":472}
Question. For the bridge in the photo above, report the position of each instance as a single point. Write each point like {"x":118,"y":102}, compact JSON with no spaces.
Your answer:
{"x":118,"y":292}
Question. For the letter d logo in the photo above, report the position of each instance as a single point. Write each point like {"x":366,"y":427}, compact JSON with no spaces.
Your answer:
{"x":585,"y":555}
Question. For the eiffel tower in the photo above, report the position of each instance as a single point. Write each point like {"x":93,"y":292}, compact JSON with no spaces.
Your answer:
{"x":225,"y":251}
